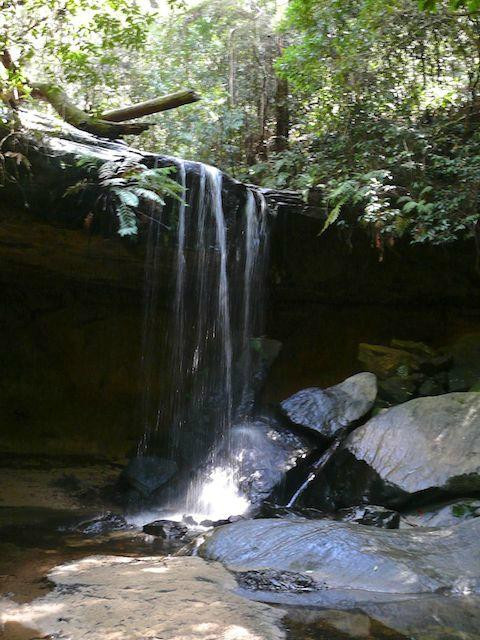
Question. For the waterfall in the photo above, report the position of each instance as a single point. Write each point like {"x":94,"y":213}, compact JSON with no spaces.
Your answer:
{"x":197,"y":363}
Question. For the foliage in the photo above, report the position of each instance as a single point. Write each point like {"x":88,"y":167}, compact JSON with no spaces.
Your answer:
{"x":379,"y":98}
{"x":465,"y":509}
{"x":226,"y":50}
{"x":122,"y":187}
{"x":431,"y":5}
{"x":11,"y":159}
{"x":74,"y":42}
{"x":389,"y":132}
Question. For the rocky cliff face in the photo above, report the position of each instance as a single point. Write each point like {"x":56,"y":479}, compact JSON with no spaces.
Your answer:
{"x":72,"y":314}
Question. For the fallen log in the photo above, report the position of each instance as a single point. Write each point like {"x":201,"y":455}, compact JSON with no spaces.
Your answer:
{"x":164,"y":103}
{"x":81,"y":119}
{"x":111,"y":124}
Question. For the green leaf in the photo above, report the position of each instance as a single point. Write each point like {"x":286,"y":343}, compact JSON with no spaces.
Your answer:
{"x":332,"y":216}
{"x":409,"y":206}
{"x":127,"y":197}
{"x":127,"y":220}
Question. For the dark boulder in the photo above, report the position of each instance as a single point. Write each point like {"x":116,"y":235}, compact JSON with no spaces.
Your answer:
{"x":399,"y":389}
{"x":167,"y":529}
{"x":257,"y":359}
{"x":385,"y":362}
{"x":262,"y":451}
{"x":102,"y":524}
{"x":351,"y":558}
{"x":327,"y":411}
{"x":146,"y":474}
{"x":370,"y":515}
{"x":465,"y":353}
{"x":271,"y":580}
{"x":426,"y":449}
{"x":272,"y":510}
{"x":220,"y":523}
{"x":402,"y":358}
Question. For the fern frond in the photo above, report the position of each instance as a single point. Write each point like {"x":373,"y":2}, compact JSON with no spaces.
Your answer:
{"x":127,"y":197}
{"x":148,"y":194}
{"x":127,"y":220}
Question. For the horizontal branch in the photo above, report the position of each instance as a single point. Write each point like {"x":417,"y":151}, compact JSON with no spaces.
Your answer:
{"x":80,"y":119}
{"x":171,"y":101}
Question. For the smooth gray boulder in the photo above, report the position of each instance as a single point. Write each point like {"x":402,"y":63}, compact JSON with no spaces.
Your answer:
{"x":349,"y":557}
{"x":422,"y":451}
{"x":327,"y":411}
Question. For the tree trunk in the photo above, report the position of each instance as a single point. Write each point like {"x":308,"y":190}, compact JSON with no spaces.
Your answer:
{"x":282,"y":114}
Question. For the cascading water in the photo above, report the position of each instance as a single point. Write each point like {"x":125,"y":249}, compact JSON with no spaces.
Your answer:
{"x":198,"y":369}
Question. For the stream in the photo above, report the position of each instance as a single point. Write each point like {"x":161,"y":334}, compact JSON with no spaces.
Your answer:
{"x":34,"y":541}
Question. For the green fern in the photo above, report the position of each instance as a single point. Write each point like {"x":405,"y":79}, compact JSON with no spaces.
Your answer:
{"x":124,"y":186}
{"x":127,"y":220}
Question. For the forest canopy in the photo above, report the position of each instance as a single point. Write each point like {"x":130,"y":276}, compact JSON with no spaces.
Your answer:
{"x":369,"y":107}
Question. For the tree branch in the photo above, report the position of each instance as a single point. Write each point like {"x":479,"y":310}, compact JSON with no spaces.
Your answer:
{"x":170,"y":101}
{"x":80,"y":119}
{"x":108,"y":125}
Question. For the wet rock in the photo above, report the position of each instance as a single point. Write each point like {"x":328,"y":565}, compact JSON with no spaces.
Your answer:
{"x":271,"y":510}
{"x":146,"y":474}
{"x":426,"y":618}
{"x":436,"y":365}
{"x":167,"y":529}
{"x":343,"y":556}
{"x":261,"y":355}
{"x":103,"y":524}
{"x":327,"y":411}
{"x":430,"y":618}
{"x":423,"y":450}
{"x":263,"y":451}
{"x":442,"y":515}
{"x":214,"y":523}
{"x":433,"y":386}
{"x":220,"y":523}
{"x":370,"y":515}
{"x":403,"y":358}
{"x":172,"y":598}
{"x":265,"y":352}
{"x":417,"y":348}
{"x":269,"y":580}
{"x":398,"y":389}
{"x":387,"y":361}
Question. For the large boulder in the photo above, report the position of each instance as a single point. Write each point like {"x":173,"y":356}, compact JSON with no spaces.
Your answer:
{"x":424,"y":450}
{"x":402,"y":358}
{"x":327,"y":411}
{"x":105,"y":597}
{"x":387,"y":361}
{"x":262,"y":451}
{"x":324,"y":555}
